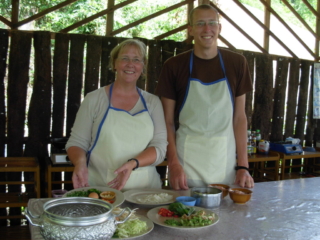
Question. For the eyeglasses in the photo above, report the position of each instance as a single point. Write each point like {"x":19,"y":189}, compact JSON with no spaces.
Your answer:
{"x":209,"y":23}
{"x":133,"y":60}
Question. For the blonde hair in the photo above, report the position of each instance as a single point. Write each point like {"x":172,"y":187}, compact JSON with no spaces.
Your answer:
{"x":140,"y":46}
{"x":201,"y":7}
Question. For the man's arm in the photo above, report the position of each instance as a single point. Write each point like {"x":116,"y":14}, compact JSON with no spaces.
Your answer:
{"x":177,"y":176}
{"x":243,"y":178}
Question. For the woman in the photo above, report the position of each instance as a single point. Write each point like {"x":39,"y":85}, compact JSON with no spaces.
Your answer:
{"x":119,"y":134}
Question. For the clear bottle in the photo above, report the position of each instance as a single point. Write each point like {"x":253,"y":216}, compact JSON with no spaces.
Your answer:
{"x":258,"y":138}
{"x":254,"y":142}
{"x":249,"y":146}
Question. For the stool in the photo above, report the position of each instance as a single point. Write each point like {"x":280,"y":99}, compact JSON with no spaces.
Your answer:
{"x":18,"y":199}
{"x":55,"y":169}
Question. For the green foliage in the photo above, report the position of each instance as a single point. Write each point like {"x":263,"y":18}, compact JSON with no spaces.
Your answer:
{"x":282,"y":10}
{"x":81,"y":9}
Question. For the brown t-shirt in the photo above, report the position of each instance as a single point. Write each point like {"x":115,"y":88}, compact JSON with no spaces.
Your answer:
{"x":174,"y":75}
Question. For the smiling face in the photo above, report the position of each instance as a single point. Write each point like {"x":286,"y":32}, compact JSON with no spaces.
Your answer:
{"x":129,"y":64}
{"x":205,"y":29}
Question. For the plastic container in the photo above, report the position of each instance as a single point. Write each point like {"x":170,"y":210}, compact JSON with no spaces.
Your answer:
{"x":58,"y":193}
{"x":264,"y":146}
{"x":185,"y":200}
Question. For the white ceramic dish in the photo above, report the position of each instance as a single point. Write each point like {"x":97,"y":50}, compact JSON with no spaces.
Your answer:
{"x":119,"y":195}
{"x":133,"y":195}
{"x":157,"y":219}
{"x":150,"y":227}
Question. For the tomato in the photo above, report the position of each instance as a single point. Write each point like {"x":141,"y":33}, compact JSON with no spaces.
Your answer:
{"x":109,"y":201}
{"x":166,"y":213}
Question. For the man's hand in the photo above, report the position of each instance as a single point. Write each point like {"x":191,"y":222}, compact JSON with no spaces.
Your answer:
{"x":177,"y":177}
{"x":244,"y":179}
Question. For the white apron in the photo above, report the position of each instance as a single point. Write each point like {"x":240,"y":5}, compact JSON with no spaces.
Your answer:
{"x":122,"y":136}
{"x":205,"y":138}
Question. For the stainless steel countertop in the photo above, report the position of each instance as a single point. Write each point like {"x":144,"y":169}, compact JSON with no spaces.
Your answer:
{"x":288,"y":209}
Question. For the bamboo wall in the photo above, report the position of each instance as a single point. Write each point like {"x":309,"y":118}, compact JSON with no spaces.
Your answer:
{"x":67,"y":68}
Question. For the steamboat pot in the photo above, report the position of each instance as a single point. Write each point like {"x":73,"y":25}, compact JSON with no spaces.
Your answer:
{"x":77,"y":218}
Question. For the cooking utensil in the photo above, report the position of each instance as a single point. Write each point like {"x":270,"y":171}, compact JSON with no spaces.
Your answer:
{"x":77,"y":218}
{"x":207,"y":197}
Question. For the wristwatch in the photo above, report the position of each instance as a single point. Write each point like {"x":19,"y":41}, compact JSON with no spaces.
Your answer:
{"x":241,"y":167}
{"x":133,"y":159}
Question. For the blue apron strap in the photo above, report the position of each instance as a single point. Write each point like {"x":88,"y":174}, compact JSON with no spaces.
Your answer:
{"x":191,"y":63}
{"x":100,"y":126}
{"x":222,"y":64}
{"x":225,"y":76}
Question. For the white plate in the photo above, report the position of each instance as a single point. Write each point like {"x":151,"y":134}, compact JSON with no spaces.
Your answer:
{"x":119,"y":195}
{"x":156,"y":218}
{"x":150,"y":227}
{"x":132,"y":195}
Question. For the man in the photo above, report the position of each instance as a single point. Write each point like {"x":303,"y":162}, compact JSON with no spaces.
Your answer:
{"x":203,"y":93}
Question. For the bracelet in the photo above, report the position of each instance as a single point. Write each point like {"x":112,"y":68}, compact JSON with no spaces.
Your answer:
{"x":241,"y":167}
{"x":133,"y":159}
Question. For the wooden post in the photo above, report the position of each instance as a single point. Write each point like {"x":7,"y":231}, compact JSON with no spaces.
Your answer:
{"x":15,"y":13}
{"x":266,"y":41}
{"x":190,"y":7}
{"x":203,"y":2}
{"x":316,"y":49}
{"x":110,"y":15}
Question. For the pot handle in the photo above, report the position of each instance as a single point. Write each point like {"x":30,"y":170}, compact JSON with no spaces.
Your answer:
{"x":29,"y":216}
{"x":122,"y":212}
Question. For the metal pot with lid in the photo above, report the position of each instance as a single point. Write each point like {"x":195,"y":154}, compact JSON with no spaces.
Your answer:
{"x":77,"y":218}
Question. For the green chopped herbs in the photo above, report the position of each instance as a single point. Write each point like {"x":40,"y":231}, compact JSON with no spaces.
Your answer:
{"x":83,"y":193}
{"x":195,"y":219}
{"x":181,"y":209}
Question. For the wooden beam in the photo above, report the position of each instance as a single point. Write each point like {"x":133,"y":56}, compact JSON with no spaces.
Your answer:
{"x":284,"y":23}
{"x":99,"y":14}
{"x":203,"y":2}
{"x":173,"y":31}
{"x":110,"y":18}
{"x":225,"y":41}
{"x":15,"y":13}
{"x":267,"y":30}
{"x":300,"y":18}
{"x":5,"y":21}
{"x":149,"y":17}
{"x":239,"y":29}
{"x":266,"y":39}
{"x":43,"y":13}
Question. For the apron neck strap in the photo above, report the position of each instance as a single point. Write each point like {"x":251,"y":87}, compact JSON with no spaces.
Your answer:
{"x":139,"y":92}
{"x":191,"y":63}
{"x":222,"y":63}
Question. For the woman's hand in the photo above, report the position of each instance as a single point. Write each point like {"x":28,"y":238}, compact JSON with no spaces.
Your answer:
{"x":123,"y":175}
{"x":80,"y":177}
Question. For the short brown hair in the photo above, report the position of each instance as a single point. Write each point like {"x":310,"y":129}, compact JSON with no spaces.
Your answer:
{"x":201,"y":7}
{"x":141,"y":47}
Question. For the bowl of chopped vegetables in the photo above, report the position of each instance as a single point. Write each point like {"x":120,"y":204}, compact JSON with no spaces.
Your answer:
{"x":240,"y":195}
{"x":178,"y":215}
{"x":186,"y":200}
